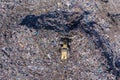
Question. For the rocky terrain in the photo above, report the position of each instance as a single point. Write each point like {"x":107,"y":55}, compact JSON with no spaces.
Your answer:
{"x":30,"y":33}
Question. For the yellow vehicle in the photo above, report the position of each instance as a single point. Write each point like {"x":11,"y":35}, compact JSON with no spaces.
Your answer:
{"x":64,"y":52}
{"x":65,"y":48}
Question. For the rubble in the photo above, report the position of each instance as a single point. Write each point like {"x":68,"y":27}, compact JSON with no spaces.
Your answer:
{"x":30,"y":33}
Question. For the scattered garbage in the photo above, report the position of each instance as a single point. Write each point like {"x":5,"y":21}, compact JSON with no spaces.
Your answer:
{"x":31,"y":32}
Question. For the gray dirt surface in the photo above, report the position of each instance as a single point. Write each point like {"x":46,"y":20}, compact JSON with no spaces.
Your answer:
{"x":30,"y":54}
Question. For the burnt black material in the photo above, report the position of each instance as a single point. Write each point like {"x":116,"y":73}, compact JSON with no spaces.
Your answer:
{"x":115,"y":18}
{"x":61,"y":21}
{"x":117,"y":63}
{"x":106,"y":1}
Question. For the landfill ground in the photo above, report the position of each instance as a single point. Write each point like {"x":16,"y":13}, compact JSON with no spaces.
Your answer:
{"x":31,"y":32}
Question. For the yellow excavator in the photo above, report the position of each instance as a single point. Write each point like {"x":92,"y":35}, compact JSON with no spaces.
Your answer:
{"x":65,"y":48}
{"x":64,"y":52}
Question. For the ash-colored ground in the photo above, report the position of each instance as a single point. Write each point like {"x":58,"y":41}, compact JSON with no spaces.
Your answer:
{"x":26,"y":54}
